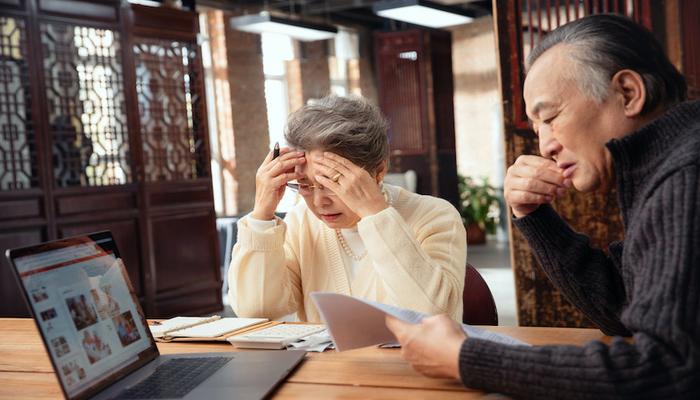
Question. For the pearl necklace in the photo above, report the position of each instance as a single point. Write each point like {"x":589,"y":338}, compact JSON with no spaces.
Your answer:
{"x":346,"y":247}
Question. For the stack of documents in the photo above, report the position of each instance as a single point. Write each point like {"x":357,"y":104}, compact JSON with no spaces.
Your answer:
{"x":318,"y":342}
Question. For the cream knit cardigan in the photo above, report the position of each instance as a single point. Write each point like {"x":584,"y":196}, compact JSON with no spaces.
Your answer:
{"x":416,"y":259}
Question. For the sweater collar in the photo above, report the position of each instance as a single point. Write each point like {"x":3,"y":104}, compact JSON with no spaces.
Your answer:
{"x":641,"y":153}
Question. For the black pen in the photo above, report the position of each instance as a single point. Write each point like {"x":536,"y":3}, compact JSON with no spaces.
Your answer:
{"x":276,"y":150}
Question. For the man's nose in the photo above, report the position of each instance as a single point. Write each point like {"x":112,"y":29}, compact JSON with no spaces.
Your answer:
{"x":549,"y":146}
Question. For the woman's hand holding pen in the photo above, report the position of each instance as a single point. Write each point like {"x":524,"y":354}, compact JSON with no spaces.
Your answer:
{"x":355,"y":186}
{"x":271,"y":178}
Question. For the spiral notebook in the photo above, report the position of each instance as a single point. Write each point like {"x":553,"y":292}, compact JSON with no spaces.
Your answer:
{"x":212,"y":328}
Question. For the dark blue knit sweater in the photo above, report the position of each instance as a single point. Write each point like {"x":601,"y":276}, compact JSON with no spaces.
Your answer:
{"x":648,"y":286}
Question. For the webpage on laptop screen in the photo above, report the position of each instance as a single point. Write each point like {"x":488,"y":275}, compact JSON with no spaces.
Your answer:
{"x":86,"y":311}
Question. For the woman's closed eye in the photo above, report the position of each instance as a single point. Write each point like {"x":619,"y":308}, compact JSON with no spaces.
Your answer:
{"x":310,"y":186}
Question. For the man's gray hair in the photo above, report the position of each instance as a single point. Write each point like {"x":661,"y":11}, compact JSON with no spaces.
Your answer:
{"x":604,"y":44}
{"x":348,"y":126}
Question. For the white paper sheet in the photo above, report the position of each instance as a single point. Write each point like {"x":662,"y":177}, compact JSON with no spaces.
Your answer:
{"x":354,"y":323}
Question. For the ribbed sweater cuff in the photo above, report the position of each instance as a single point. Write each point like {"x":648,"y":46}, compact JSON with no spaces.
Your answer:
{"x":267,"y":240}
{"x":480,"y":364}
{"x":545,"y":229}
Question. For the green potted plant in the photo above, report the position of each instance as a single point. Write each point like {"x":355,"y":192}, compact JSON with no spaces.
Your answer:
{"x":479,"y":208}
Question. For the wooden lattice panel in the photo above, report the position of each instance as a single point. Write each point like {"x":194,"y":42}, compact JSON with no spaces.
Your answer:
{"x":85,"y":99}
{"x":169,"y":94}
{"x":18,"y":165}
{"x":399,"y":70}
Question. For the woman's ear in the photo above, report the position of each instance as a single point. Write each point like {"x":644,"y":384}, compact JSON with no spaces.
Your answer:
{"x":381,"y":171}
{"x":629,"y":85}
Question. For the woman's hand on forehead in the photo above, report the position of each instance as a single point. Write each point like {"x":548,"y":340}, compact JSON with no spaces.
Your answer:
{"x":354,"y":185}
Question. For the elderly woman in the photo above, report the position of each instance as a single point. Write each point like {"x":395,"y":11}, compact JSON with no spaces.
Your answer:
{"x":352,"y":234}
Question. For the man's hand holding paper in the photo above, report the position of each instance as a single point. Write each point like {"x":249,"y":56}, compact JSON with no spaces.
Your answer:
{"x":355,"y":323}
{"x":430,"y":346}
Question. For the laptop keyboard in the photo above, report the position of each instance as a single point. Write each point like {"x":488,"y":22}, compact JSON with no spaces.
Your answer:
{"x":175,"y":378}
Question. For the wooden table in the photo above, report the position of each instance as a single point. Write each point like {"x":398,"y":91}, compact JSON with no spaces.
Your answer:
{"x":26,"y":372}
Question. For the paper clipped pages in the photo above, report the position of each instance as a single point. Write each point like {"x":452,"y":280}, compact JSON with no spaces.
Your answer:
{"x":201,"y":327}
{"x":355,"y":323}
{"x":217,"y":328}
{"x":177,"y":323}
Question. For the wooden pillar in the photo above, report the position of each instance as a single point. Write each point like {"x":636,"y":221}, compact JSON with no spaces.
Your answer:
{"x":315,"y":77}
{"x":367,"y":78}
{"x":308,"y":76}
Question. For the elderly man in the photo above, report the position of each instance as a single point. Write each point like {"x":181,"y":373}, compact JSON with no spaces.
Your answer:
{"x":607,"y":106}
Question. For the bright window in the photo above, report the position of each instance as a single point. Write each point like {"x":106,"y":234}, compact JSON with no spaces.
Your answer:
{"x":277,"y":50}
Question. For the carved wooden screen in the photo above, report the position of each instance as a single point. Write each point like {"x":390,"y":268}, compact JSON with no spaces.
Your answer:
{"x":169,"y":92}
{"x":86,"y":106}
{"x":18,"y":154}
{"x":20,"y":173}
{"x":175,"y":161}
{"x":520,"y":24}
{"x":78,"y":154}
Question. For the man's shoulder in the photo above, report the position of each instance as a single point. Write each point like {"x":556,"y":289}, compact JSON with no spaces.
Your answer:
{"x":690,"y":139}
{"x":685,"y":151}
{"x":672,"y":173}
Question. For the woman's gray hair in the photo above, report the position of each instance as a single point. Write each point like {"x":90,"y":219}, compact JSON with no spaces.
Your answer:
{"x":604,"y":44}
{"x":348,"y":126}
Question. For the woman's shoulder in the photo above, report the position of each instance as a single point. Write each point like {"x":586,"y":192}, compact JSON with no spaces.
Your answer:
{"x":414,"y":204}
{"x":404,"y":197}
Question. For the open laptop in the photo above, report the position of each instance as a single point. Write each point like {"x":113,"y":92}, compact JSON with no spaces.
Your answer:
{"x":98,"y":339}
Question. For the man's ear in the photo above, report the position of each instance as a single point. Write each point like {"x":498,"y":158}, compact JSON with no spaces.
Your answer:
{"x":629,"y":85}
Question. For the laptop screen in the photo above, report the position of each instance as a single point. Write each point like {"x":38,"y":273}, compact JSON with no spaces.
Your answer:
{"x":86,"y":310}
